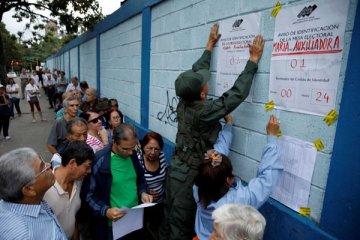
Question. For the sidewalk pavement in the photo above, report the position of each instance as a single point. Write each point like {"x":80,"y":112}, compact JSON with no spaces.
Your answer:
{"x":24,"y":133}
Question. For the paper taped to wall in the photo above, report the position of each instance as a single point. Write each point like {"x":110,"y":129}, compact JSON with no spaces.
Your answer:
{"x":293,"y":187}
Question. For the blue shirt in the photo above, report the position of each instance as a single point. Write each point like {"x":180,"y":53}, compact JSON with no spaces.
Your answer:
{"x":254,"y":194}
{"x":32,"y":222}
{"x":224,"y":139}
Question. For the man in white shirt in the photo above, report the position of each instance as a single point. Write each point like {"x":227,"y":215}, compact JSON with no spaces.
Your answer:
{"x":36,"y":78}
{"x":74,"y":85}
{"x":12,"y":88}
{"x":64,"y":196}
{"x":24,"y":81}
{"x":49,"y":84}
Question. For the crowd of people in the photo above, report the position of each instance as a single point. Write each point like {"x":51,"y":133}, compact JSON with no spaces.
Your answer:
{"x":29,"y":90}
{"x":100,"y":166}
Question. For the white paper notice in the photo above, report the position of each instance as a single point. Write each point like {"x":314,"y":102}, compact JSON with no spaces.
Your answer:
{"x":132,"y":221}
{"x":293,"y":187}
{"x":307,"y":56}
{"x":233,"y":51}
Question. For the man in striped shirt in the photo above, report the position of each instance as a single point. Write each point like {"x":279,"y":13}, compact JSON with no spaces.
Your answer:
{"x":24,"y":179}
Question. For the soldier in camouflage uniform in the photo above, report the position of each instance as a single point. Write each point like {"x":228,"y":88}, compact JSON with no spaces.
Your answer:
{"x":198,"y":128}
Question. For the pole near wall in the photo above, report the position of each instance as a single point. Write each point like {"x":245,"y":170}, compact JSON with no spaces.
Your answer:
{"x":145,"y":66}
{"x":78,"y":52}
{"x":98,"y":85}
{"x":69,"y":66}
{"x":341,"y":209}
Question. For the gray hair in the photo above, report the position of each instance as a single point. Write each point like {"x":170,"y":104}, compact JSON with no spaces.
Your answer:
{"x":75,"y":122}
{"x":67,"y":101}
{"x":16,"y":170}
{"x":124,"y":132}
{"x":239,"y":222}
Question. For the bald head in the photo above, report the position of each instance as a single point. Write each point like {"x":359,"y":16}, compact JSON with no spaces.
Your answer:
{"x":67,"y":94}
{"x":90,"y":95}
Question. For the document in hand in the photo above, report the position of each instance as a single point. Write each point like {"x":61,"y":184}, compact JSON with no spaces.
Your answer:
{"x":132,"y":221}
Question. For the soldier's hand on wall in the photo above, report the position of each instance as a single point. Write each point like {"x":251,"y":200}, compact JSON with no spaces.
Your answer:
{"x":213,"y":37}
{"x":256,"y":49}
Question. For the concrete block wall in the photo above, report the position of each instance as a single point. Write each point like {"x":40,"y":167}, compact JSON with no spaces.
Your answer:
{"x":112,"y":59}
{"x":66,"y":66}
{"x":50,"y":63}
{"x":74,"y":64}
{"x":88,"y":62}
{"x":60,"y":62}
{"x":179,"y":34}
{"x":120,"y":64}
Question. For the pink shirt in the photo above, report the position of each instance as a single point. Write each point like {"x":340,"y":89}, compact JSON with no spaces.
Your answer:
{"x":94,"y":142}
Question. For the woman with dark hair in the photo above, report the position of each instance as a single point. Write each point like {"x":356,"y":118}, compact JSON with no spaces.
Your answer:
{"x":113,"y":119}
{"x":114,"y":104}
{"x":4,"y":112}
{"x":83,"y":86}
{"x":215,"y":184}
{"x":97,"y":137}
{"x":152,"y":159}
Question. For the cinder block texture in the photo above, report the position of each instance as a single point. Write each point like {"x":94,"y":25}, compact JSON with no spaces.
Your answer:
{"x":66,"y":67}
{"x":120,"y":61}
{"x":88,"y":62}
{"x":73,"y":62}
{"x":179,"y":32}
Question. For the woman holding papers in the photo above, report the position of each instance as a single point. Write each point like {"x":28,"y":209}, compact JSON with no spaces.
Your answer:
{"x":153,"y":161}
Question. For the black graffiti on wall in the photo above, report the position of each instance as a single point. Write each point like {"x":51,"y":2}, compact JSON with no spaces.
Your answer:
{"x":169,"y":114}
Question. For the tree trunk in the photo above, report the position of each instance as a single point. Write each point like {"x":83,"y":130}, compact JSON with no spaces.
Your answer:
{"x":3,"y":76}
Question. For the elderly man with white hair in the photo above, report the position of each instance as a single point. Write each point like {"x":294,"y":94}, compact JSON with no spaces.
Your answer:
{"x":24,"y":179}
{"x":237,"y":222}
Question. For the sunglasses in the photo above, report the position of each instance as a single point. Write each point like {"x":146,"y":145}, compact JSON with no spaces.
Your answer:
{"x":95,"y":120}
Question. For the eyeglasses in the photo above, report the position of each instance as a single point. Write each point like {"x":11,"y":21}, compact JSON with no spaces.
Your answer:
{"x":44,"y":166}
{"x":116,"y":117}
{"x":94,"y":121}
{"x":152,"y":149}
{"x":74,"y":105}
{"x":115,"y":105}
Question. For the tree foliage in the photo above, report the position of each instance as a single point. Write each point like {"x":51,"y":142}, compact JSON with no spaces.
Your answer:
{"x":12,"y":49}
{"x":72,"y":14}
{"x":75,"y":16}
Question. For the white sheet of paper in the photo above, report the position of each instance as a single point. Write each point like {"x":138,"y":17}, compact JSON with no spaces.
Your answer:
{"x":293,"y":187}
{"x":307,"y":55}
{"x":132,"y":221}
{"x":233,"y":51}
